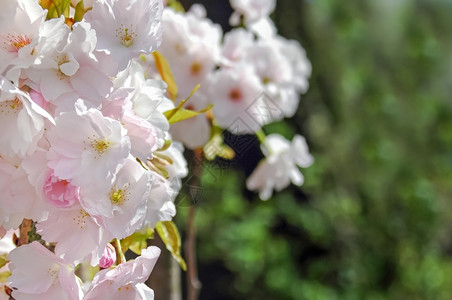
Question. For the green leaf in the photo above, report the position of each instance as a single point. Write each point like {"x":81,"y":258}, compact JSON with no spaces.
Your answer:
{"x":178,"y":113}
{"x":165,"y":72}
{"x":169,"y":234}
{"x":56,"y":8}
{"x":184,"y":114}
{"x":3,"y":260}
{"x":4,"y":276}
{"x":65,"y":7}
{"x":137,"y":241}
{"x":52,"y":13}
{"x":79,"y":11}
{"x":176,"y":5}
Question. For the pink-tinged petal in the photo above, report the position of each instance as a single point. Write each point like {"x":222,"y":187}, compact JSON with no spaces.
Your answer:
{"x":124,"y":280}
{"x":23,"y":118}
{"x":126,"y":28}
{"x":115,"y":105}
{"x":38,"y":98}
{"x":53,"y":84}
{"x":54,"y":292}
{"x":75,"y":227}
{"x":69,"y":283}
{"x":34,"y":268}
{"x":97,"y":143}
{"x":69,"y":68}
{"x":194,"y":132}
{"x":143,"y":135}
{"x":120,"y":209}
{"x":60,"y":193}
{"x":91,"y":84}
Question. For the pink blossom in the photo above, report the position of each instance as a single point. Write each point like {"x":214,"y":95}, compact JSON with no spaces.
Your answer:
{"x":126,"y":28}
{"x":37,"y":272}
{"x":120,"y":208}
{"x":19,"y":31}
{"x":126,"y":281}
{"x":19,"y":199}
{"x":142,"y":134}
{"x":237,"y":97}
{"x":94,"y":150}
{"x":23,"y":119}
{"x":75,"y":227}
{"x":70,"y":70}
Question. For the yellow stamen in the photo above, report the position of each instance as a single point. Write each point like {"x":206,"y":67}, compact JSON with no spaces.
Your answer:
{"x":100,"y":146}
{"x":11,"y":106}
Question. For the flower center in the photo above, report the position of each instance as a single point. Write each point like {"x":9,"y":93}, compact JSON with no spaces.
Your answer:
{"x":196,"y":68}
{"x":100,"y":146}
{"x":14,"y":43}
{"x":53,"y":271}
{"x":80,"y":218}
{"x":266,"y":80}
{"x":126,"y":35}
{"x":61,"y":61}
{"x":119,"y":196}
{"x":11,"y":106}
{"x":235,"y":95}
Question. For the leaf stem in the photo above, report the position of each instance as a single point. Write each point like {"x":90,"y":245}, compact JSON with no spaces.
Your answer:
{"x":261,"y":136}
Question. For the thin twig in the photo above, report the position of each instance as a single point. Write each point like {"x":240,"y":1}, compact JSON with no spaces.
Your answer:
{"x":193,"y":283}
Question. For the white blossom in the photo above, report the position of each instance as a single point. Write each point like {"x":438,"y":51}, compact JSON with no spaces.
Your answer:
{"x":279,"y":167}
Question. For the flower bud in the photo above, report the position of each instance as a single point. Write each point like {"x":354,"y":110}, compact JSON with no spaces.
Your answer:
{"x":108,"y":258}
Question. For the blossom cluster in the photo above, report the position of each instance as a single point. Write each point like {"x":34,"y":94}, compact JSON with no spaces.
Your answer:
{"x":89,"y":150}
{"x":250,"y":75}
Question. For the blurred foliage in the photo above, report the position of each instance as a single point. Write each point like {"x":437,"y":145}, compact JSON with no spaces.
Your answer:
{"x":373,"y":219}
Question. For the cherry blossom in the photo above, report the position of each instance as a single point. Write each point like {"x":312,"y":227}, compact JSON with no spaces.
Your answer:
{"x":126,"y":28}
{"x":71,"y":70}
{"x":251,"y":10}
{"x":19,"y":199}
{"x":120,"y":208}
{"x":88,"y":141}
{"x":22,"y":119}
{"x":97,"y":143}
{"x":37,"y":272}
{"x":279,"y":167}
{"x":237,"y":97}
{"x":20,"y":24}
{"x":75,"y":227}
{"x":126,"y":281}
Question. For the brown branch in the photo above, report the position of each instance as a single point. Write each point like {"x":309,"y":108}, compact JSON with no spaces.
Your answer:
{"x":193,"y":283}
{"x":24,"y":229}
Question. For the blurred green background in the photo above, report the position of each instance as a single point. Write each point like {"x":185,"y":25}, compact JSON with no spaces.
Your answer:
{"x":373,"y":219}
